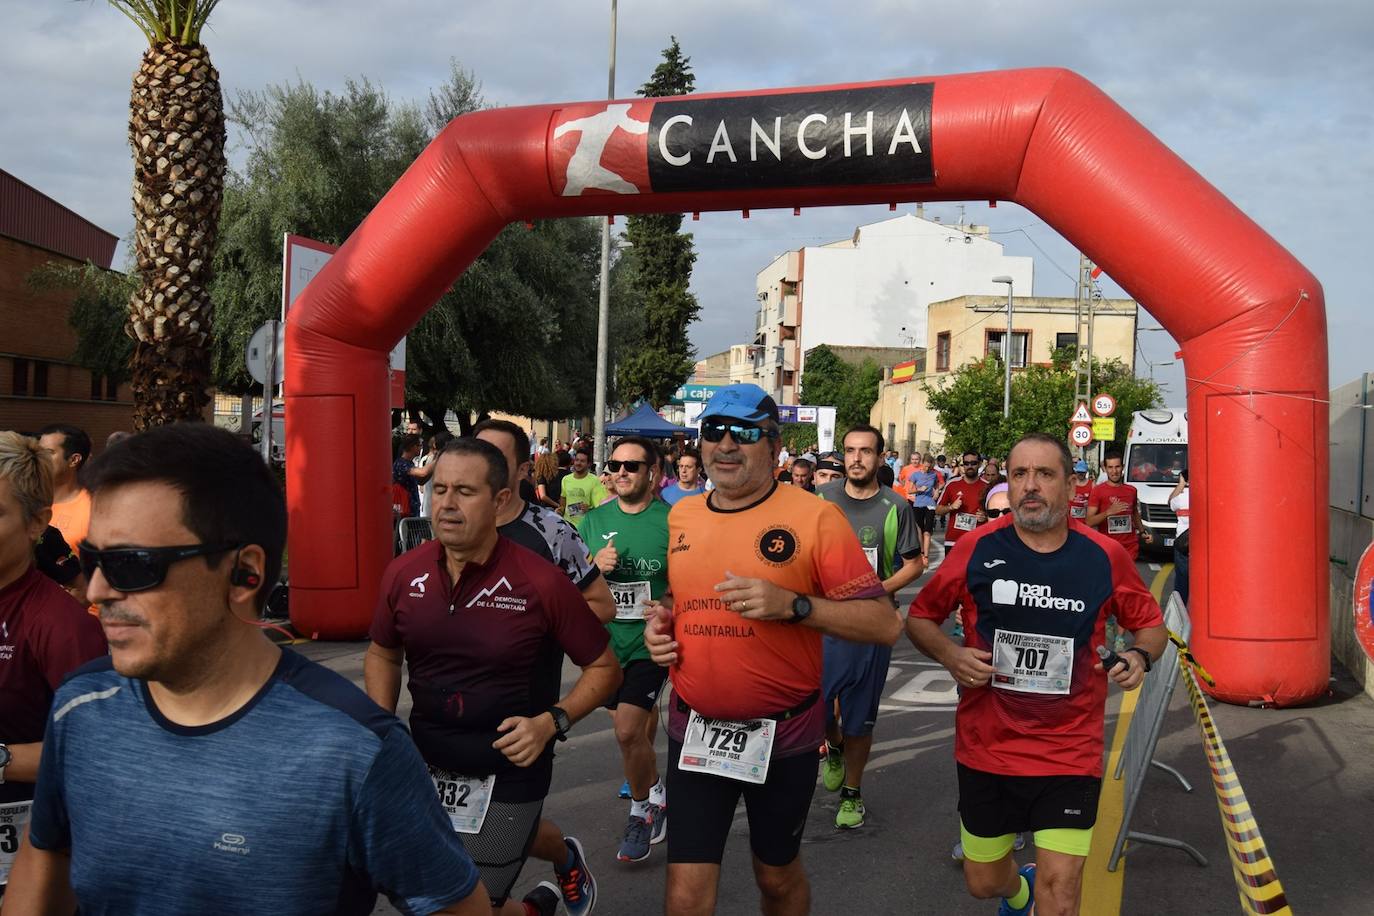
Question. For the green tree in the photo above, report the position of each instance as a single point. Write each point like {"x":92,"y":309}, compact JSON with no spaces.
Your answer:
{"x":515,"y":333}
{"x":100,"y":308}
{"x":661,"y":273}
{"x":851,"y":390}
{"x":969,"y":403}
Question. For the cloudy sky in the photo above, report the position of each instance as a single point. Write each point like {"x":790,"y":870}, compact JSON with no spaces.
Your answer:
{"x":1271,"y":102}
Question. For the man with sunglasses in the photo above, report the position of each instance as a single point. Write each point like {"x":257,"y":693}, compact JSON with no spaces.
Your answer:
{"x":855,"y":673}
{"x":963,"y":499}
{"x":1036,"y":588}
{"x":161,"y":747}
{"x":758,"y":573}
{"x":630,"y":537}
{"x":44,"y":633}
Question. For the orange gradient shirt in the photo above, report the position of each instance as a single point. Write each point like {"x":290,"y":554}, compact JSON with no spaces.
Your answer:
{"x":731,"y":667}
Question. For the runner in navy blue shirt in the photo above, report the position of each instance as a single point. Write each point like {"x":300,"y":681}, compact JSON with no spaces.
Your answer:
{"x":200,"y":768}
{"x":1035,"y":589}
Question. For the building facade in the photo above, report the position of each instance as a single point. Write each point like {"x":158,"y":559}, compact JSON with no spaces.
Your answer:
{"x":39,"y":382}
{"x":967,"y":329}
{"x":870,"y":290}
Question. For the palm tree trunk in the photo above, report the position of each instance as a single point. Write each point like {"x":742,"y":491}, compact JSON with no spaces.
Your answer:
{"x":176,"y":129}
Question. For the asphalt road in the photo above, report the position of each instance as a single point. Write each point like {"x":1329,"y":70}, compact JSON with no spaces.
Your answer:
{"x":1308,"y":773}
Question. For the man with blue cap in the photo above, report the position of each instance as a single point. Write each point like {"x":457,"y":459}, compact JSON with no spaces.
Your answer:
{"x":757,"y":573}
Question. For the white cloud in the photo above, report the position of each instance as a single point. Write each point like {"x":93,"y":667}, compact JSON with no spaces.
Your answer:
{"x":1270,"y":104}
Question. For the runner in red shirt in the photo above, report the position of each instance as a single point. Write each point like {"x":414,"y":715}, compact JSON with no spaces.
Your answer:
{"x":1082,"y":489}
{"x":1035,"y":589}
{"x":1114,"y":508}
{"x":963,"y":497}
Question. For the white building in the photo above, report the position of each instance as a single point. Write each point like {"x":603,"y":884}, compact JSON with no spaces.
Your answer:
{"x":871,"y":290}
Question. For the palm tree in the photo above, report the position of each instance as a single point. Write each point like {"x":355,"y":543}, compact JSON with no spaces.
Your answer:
{"x":176,"y":129}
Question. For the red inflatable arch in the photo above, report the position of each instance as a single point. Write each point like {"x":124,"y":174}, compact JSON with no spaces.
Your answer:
{"x":1249,"y":317}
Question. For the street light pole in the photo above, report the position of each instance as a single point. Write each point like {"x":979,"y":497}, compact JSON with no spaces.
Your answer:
{"x":603,"y":314}
{"x":1006,"y":350}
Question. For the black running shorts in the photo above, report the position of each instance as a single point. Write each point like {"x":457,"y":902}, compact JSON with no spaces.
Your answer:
{"x":704,"y":806}
{"x":994,"y":805}
{"x":641,"y":686}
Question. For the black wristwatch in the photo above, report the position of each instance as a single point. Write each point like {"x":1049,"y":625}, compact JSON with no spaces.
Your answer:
{"x":801,"y":609}
{"x":561,"y":723}
{"x":1143,"y":654}
{"x":5,"y":758}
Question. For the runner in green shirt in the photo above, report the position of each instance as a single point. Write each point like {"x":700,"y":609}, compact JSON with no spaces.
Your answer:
{"x":582,"y":492}
{"x":628,"y":538}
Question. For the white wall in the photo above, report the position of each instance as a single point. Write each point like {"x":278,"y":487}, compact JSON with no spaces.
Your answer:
{"x":863,"y":295}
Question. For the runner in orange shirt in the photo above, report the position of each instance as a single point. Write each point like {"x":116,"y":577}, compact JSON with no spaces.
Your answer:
{"x":758,"y":572}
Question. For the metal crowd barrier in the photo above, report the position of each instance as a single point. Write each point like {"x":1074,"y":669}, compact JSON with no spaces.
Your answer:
{"x":1137,"y":756}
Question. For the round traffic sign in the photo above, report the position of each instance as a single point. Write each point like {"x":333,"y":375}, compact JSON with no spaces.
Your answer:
{"x":1081,"y":434}
{"x":1104,"y":405}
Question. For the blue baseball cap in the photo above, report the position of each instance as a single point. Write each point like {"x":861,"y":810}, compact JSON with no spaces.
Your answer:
{"x":749,"y":403}
{"x":1080,"y":467}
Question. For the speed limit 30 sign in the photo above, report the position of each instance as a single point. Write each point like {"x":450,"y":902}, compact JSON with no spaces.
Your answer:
{"x":1081,"y":434}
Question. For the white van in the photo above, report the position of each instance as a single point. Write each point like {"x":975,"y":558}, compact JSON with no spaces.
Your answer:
{"x":1156,"y":454}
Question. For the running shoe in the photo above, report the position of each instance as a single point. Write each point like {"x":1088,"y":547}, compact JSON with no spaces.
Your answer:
{"x":625,"y":789}
{"x":635,"y":846}
{"x":544,"y":898}
{"x":832,"y":774}
{"x":658,"y":823}
{"x":1006,"y":909}
{"x":577,"y":886}
{"x":851,"y":813}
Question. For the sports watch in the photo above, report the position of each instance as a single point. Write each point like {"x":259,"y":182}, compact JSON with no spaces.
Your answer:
{"x":1144,"y":655}
{"x":561,"y":722}
{"x":801,"y":609}
{"x":5,"y":758}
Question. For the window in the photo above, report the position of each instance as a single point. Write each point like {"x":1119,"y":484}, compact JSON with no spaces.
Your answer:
{"x":21,"y":376}
{"x":40,"y":379}
{"x":942,"y":352}
{"x":1020,"y":341}
{"x":1062,"y":340}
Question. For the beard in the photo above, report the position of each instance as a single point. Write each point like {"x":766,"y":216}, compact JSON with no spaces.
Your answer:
{"x":1040,"y":520}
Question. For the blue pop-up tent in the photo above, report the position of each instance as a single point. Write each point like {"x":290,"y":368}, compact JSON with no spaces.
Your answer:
{"x":646,"y":422}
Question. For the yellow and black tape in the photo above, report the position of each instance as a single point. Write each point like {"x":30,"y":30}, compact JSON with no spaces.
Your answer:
{"x":1261,"y":893}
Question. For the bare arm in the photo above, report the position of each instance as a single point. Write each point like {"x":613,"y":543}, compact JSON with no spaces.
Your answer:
{"x":524,"y":738}
{"x":911,"y":570}
{"x":599,"y":598}
{"x":40,"y":883}
{"x":382,"y":675}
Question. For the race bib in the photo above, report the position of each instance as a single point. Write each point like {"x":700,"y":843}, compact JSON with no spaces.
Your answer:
{"x":629,"y":599}
{"x":1118,"y":524}
{"x":965,"y":521}
{"x":1078,"y":511}
{"x":1032,"y":662}
{"x":735,"y":750}
{"x":872,"y":554}
{"x":14,"y":818}
{"x":465,"y":799}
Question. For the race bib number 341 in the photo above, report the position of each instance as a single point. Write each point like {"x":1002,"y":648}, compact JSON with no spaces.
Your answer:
{"x":735,"y":750}
{"x":1032,"y":662}
{"x":465,"y":799}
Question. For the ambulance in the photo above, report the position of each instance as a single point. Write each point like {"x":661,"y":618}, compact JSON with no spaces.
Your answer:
{"x":1156,"y":454}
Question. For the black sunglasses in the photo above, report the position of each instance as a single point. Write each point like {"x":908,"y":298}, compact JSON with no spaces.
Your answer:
{"x":744,"y":435}
{"x":137,"y":569}
{"x":632,"y":466}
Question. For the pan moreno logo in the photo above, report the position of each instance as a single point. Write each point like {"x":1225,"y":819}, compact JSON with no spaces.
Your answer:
{"x":1011,"y":593}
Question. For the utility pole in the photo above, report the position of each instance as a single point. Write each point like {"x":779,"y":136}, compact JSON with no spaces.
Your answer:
{"x":603,"y":315}
{"x":1083,"y":355}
